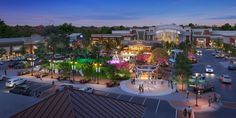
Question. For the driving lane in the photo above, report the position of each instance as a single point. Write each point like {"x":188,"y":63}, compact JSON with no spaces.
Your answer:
{"x":228,"y":91}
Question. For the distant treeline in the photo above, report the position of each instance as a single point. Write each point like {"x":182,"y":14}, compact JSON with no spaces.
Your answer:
{"x":7,"y":31}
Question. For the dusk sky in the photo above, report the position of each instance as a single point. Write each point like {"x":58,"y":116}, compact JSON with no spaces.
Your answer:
{"x":117,"y":12}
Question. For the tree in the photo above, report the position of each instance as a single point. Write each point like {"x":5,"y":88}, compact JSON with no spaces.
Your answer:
{"x":2,"y":52}
{"x":182,"y":69}
{"x":66,"y":68}
{"x":22,"y":50}
{"x":66,"y":28}
{"x":226,"y":26}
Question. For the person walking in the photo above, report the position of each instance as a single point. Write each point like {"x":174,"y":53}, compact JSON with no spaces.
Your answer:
{"x":187,"y":94}
{"x":215,"y":97}
{"x":5,"y":71}
{"x":209,"y":101}
{"x":189,"y":111}
{"x":185,"y":112}
{"x":139,"y":88}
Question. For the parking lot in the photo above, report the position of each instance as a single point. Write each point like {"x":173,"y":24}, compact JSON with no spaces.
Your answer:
{"x":154,"y":106}
{"x":35,"y":88}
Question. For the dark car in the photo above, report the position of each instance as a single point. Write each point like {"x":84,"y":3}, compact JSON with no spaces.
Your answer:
{"x":84,"y":81}
{"x":23,"y":72}
{"x":21,"y":89}
{"x":204,"y":87}
{"x":232,"y":67}
{"x":19,"y":66}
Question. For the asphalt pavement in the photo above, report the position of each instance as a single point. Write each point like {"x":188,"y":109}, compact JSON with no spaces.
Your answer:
{"x":227,"y":91}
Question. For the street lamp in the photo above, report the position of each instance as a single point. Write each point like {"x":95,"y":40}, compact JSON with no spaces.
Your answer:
{"x":73,"y":69}
{"x":196,"y":83}
{"x":32,"y":65}
{"x":51,"y":67}
{"x":98,"y":70}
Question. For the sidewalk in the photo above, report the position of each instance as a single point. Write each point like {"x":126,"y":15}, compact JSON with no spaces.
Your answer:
{"x":100,"y":87}
{"x":179,"y":101}
{"x":176,"y":100}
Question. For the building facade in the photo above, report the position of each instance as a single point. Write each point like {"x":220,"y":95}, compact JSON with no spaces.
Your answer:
{"x":202,"y":38}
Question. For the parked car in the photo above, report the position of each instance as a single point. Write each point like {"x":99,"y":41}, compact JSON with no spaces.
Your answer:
{"x":220,"y":55}
{"x":23,"y":72}
{"x":1,"y":62}
{"x":226,"y":79}
{"x":112,"y":84}
{"x":232,"y":67}
{"x":83,"y":81}
{"x":2,"y":77}
{"x":14,"y":81}
{"x":199,"y":52}
{"x":21,"y":89}
{"x":204,"y":87}
{"x":19,"y":66}
{"x":209,"y":69}
{"x":87,"y":89}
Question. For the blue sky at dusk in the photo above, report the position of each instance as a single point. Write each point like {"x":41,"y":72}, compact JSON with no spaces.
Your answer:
{"x":117,"y":12}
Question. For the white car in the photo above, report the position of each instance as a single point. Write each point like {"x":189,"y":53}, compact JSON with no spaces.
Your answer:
{"x":199,"y":52}
{"x":209,"y":69}
{"x":14,"y":81}
{"x":2,"y":77}
{"x":1,"y":62}
{"x":225,"y":79}
{"x":87,"y":89}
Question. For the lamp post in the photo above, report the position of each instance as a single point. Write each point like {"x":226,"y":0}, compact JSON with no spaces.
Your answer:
{"x":51,"y":67}
{"x":73,"y":69}
{"x":196,"y":83}
{"x":98,"y":70}
{"x":32,"y":65}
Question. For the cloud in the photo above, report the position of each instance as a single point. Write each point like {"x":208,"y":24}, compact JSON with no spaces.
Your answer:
{"x":224,"y":18}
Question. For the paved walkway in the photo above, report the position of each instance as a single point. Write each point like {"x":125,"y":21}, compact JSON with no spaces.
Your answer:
{"x":179,"y":101}
{"x":176,"y":100}
{"x":156,"y":88}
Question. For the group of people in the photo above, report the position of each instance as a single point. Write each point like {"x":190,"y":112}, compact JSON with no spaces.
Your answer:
{"x":133,"y":81}
{"x":171,"y":84}
{"x":187,"y":112}
{"x":213,"y":100}
{"x":140,"y":88}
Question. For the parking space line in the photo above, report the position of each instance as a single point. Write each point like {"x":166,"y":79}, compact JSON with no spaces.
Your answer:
{"x":107,"y":94}
{"x":176,"y":113}
{"x":157,"y":106}
{"x":144,"y":100}
{"x":131,"y":98}
{"x":118,"y":96}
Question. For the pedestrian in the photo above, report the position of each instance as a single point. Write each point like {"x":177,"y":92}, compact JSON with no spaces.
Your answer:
{"x":209,"y":101}
{"x":53,"y":82}
{"x":171,"y":83}
{"x":187,"y":94}
{"x":189,"y":111}
{"x":139,"y":88}
{"x":215,"y":97}
{"x":5,"y":71}
{"x":185,"y":112}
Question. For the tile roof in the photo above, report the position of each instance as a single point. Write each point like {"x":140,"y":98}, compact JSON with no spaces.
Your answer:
{"x":72,"y":103}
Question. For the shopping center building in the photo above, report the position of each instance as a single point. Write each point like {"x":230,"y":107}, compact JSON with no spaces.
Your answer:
{"x":203,"y":38}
